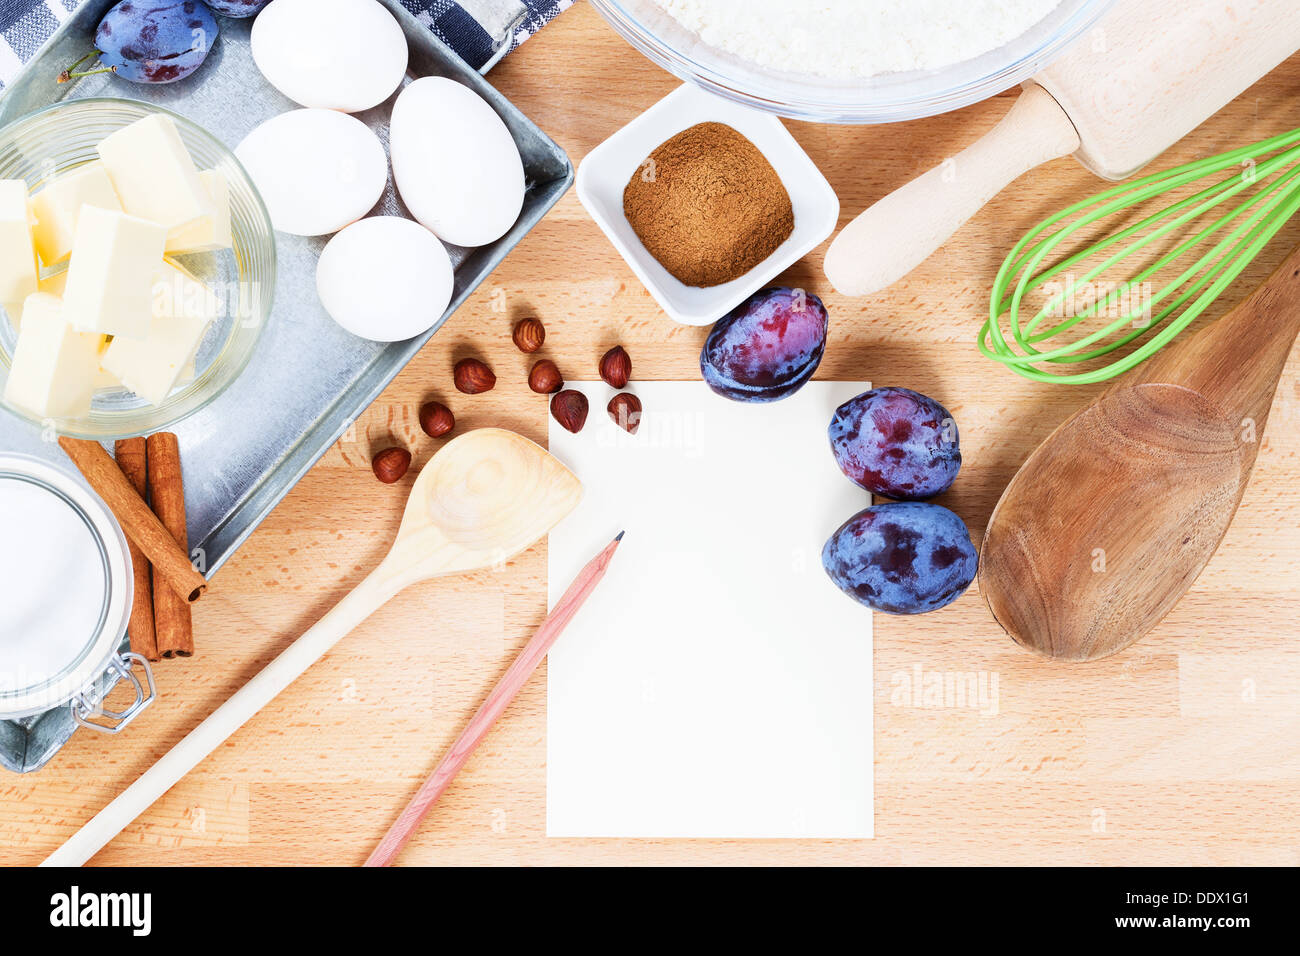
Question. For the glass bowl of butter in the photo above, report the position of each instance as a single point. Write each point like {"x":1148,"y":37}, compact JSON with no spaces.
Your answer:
{"x":137,"y":268}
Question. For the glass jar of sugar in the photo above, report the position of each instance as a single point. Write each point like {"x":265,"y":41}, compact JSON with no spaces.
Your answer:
{"x":65,"y":600}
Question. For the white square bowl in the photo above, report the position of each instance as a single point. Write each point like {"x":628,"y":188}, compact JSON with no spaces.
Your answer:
{"x":608,"y":168}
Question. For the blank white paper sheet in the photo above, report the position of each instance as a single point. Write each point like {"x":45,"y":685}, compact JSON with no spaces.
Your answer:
{"x":716,"y":684}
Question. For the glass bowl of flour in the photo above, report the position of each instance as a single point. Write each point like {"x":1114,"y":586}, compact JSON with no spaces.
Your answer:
{"x":853,"y":61}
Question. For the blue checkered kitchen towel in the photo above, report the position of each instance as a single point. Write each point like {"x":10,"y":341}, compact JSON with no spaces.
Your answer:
{"x":467,"y":27}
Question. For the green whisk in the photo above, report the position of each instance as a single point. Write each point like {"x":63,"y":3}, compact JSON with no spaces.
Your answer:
{"x":1131,"y":316}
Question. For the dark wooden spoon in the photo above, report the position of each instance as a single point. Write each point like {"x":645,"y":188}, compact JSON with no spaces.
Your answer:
{"x":1112,"y":518}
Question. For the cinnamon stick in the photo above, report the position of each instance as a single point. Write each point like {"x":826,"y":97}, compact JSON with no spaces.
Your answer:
{"x":167,"y":495}
{"x":170,"y":561}
{"x":130,"y":455}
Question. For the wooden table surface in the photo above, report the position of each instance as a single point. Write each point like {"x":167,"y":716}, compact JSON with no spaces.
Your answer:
{"x":1182,"y":750}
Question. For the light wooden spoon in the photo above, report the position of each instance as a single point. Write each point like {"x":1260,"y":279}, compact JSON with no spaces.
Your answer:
{"x":1110,"y":521}
{"x":486,"y":496}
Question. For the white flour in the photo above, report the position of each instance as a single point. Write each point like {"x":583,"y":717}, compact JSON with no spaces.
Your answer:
{"x":847,"y":39}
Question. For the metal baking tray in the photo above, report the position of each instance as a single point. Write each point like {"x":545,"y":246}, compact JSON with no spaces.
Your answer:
{"x":309,"y":379}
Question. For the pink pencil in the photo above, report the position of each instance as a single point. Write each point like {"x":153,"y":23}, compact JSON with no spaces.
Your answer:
{"x":500,"y":698}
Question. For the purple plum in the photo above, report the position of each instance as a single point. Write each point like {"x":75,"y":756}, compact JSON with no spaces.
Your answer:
{"x":239,"y":9}
{"x":904,"y":557}
{"x":767,"y":347}
{"x":897,"y":443}
{"x":156,"y":41}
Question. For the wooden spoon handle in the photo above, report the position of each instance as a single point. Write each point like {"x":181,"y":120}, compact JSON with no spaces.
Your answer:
{"x":368,"y":596}
{"x":901,"y":231}
{"x":1237,"y":361}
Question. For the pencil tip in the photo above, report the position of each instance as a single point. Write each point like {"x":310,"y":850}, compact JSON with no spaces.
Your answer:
{"x":619,"y":536}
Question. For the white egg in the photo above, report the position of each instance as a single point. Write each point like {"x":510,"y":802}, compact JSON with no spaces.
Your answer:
{"x":385,"y":279}
{"x":317,"y":170}
{"x":455,"y":163}
{"x":344,"y":55}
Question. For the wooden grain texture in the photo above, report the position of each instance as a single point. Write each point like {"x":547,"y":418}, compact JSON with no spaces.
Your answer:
{"x":497,"y":702}
{"x":1181,"y":750}
{"x":1113,"y":517}
{"x":486,"y":497}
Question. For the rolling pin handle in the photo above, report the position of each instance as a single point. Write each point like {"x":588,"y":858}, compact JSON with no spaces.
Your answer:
{"x":902,"y":230}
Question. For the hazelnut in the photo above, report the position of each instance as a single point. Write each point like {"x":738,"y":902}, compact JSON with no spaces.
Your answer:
{"x":570,"y":409}
{"x":625,"y":409}
{"x":545,"y":377}
{"x":616,"y":367}
{"x":391,"y":464}
{"x":472,"y":376}
{"x":436,"y":419}
{"x":529,"y":335}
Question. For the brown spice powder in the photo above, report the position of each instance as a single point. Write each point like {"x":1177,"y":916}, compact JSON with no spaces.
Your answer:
{"x":708,"y":205}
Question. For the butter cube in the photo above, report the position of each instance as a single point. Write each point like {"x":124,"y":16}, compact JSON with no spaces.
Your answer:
{"x":154,"y":174}
{"x":211,"y":231}
{"x":152,"y":367}
{"x":58,"y":207}
{"x":103,"y":378}
{"x":177,"y":291}
{"x":53,"y":284}
{"x":18,"y":273}
{"x":110,"y":277}
{"x":54,"y":366}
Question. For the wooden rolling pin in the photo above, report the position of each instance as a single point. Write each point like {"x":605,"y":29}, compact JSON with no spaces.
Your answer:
{"x":1145,"y":77}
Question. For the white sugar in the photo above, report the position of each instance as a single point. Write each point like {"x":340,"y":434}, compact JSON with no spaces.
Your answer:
{"x":52,"y":585}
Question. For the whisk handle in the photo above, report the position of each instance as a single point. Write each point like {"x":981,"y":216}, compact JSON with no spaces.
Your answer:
{"x":901,"y":231}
